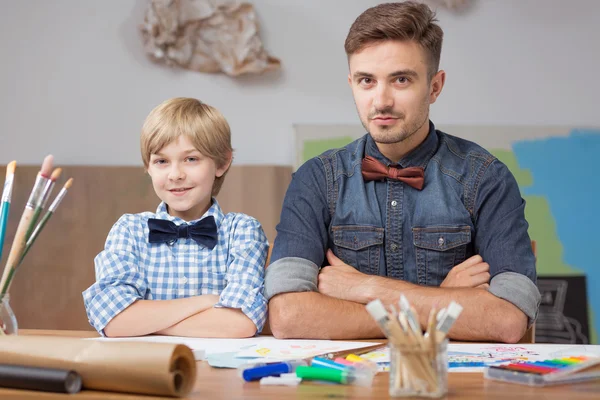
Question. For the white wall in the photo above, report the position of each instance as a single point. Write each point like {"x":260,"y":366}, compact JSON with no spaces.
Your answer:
{"x":75,"y":82}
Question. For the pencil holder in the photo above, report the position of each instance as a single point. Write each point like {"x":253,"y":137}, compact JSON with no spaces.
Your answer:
{"x":8,"y":321}
{"x":419,"y":370}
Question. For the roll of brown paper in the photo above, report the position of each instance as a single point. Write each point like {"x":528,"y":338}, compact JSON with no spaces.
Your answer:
{"x":161,"y":369}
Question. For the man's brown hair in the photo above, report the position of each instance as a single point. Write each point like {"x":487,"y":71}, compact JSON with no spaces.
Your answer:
{"x":408,"y":20}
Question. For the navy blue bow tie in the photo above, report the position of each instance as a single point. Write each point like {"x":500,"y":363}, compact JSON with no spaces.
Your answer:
{"x":203,"y":232}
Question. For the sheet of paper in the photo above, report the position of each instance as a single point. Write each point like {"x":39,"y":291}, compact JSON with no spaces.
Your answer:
{"x":474,"y":357}
{"x":202,"y":347}
{"x":286,"y":349}
{"x":265,"y":348}
{"x":228,"y":360}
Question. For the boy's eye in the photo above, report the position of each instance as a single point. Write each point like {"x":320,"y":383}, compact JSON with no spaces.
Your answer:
{"x":192,"y":159}
{"x":160,"y":161}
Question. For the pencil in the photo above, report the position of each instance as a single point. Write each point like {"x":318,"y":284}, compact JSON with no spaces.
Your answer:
{"x":18,"y":244}
{"x":6,"y":196}
{"x":344,"y":353}
{"x":431,"y":335}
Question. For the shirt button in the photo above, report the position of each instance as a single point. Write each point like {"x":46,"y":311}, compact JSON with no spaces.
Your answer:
{"x":441,"y":241}
{"x":394,"y":247}
{"x":394,"y":203}
{"x":183,"y":281}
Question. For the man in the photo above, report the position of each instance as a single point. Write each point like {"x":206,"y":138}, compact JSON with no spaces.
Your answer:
{"x":406,"y":209}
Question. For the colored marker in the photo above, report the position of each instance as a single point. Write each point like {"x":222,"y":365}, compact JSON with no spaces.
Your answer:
{"x":256,"y":373}
{"x":347,"y":376}
{"x":467,"y":364}
{"x":343,"y":361}
{"x":360,"y":364}
{"x":321,"y":362}
{"x":355,"y":358}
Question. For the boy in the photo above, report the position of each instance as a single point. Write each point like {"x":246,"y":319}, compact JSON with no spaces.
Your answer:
{"x":188,"y":269}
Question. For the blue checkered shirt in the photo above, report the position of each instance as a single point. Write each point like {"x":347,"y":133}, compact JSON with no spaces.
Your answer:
{"x":130,"y":268}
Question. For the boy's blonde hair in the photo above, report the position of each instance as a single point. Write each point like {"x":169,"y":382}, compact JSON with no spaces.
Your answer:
{"x":204,"y":125}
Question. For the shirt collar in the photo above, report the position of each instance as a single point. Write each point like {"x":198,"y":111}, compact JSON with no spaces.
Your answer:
{"x":214,"y":210}
{"x":419,"y":157}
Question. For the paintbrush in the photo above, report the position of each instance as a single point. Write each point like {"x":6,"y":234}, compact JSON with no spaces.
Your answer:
{"x":5,"y":206}
{"x":44,"y":199}
{"x":46,"y":217}
{"x":18,"y":244}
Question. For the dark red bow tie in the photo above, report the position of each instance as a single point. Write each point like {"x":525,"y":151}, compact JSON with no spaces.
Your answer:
{"x":373,"y":170}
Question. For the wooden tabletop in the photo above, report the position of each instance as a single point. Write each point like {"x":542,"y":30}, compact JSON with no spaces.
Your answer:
{"x":215,"y":383}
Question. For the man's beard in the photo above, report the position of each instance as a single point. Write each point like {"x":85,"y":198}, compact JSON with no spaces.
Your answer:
{"x":396,"y":133}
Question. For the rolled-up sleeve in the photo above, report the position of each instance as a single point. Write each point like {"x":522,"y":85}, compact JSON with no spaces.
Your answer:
{"x":518,"y":290}
{"x":502,"y":240}
{"x":246,"y":272}
{"x":119,"y":279}
{"x":302,"y":233}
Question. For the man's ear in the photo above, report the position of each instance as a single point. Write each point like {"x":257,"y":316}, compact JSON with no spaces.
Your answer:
{"x":221,"y":170}
{"x":437,"y":84}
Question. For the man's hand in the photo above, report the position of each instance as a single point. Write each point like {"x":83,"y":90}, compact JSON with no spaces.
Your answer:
{"x":343,"y":281}
{"x":471,"y":273}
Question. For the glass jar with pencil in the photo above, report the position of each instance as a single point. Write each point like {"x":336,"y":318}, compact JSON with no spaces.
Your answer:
{"x":8,"y":321}
{"x":418,"y":362}
{"x":29,"y":227}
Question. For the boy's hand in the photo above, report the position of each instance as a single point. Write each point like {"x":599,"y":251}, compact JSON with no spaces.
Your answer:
{"x":471,"y":273}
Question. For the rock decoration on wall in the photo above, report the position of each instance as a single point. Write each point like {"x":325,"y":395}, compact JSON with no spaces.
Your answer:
{"x":206,"y":36}
{"x":455,"y":5}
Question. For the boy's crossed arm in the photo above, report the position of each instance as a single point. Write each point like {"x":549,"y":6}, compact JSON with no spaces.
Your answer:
{"x":145,"y":317}
{"x":191,"y":316}
{"x":215,"y":322}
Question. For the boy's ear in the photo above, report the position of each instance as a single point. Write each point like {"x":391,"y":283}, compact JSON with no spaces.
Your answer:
{"x":221,"y":170}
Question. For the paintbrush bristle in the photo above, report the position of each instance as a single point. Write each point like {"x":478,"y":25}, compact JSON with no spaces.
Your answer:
{"x":47,"y":166}
{"x":69,"y":183}
{"x":10,"y":168}
{"x":56,"y":174}
{"x":454,"y":309}
{"x":404,"y":304}
{"x":377,"y":310}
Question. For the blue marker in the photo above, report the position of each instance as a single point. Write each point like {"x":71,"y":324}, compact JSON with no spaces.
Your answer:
{"x":467,"y":364}
{"x":256,"y":373}
{"x":327,"y":363}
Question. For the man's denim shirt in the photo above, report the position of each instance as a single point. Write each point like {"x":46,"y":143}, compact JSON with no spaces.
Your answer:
{"x":470,"y":204}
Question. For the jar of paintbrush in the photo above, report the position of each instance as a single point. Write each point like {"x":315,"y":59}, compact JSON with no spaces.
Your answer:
{"x":418,"y":361}
{"x":419,"y":369}
{"x":8,"y":321}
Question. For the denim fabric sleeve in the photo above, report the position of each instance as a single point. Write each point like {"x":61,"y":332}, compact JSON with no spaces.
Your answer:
{"x":518,"y":290}
{"x":245,"y":271}
{"x":120,"y":280}
{"x":302,"y":233}
{"x":501,"y":236}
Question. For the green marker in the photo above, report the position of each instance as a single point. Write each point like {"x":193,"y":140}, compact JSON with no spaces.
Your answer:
{"x":349,"y":376}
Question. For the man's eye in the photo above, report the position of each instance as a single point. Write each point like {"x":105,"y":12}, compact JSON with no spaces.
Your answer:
{"x":402,"y":79}
{"x":366,"y":81}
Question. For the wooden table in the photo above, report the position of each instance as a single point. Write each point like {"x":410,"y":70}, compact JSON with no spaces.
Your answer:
{"x":215,"y":383}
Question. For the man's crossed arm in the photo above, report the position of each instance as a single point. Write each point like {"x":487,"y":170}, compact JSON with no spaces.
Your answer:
{"x":337,"y":310}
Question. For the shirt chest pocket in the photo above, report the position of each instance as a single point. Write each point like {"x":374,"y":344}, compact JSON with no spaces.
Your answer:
{"x":438,"y":249}
{"x":359,"y":246}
